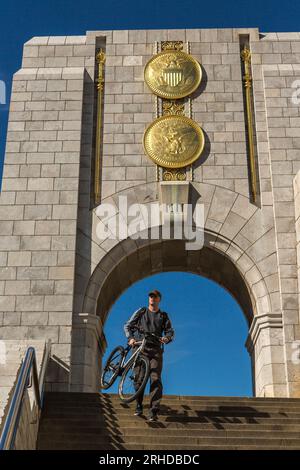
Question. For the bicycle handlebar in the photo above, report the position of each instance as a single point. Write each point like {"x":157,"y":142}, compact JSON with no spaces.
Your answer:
{"x":146,"y":333}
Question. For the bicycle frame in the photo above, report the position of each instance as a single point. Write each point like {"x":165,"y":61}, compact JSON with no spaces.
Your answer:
{"x":133,"y":357}
{"x":135,"y":354}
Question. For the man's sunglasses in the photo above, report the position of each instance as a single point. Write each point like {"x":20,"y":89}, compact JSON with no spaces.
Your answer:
{"x":153,"y":295}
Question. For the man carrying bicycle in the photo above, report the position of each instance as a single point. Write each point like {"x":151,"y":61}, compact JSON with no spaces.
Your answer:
{"x":151,"y":320}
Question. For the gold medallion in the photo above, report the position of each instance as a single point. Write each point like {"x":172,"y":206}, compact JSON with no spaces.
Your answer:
{"x":173,"y":74}
{"x":173,"y":141}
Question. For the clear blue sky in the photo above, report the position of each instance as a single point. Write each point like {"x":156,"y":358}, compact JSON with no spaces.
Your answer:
{"x":210,"y":328}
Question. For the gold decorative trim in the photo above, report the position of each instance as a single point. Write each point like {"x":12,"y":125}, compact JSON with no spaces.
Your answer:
{"x":172,"y":45}
{"x":174,"y":175}
{"x":176,"y":107}
{"x":157,"y":173}
{"x":158,"y":168}
{"x":173,"y":107}
{"x":247,"y":79}
{"x":100,"y":58}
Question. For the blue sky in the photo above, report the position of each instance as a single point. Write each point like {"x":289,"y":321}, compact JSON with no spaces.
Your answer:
{"x":210,"y":328}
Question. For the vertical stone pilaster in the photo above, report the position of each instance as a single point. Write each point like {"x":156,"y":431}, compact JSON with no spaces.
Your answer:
{"x":266,"y":347}
{"x":89,"y":346}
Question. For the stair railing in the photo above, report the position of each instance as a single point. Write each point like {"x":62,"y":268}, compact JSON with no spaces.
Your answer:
{"x":27,"y":377}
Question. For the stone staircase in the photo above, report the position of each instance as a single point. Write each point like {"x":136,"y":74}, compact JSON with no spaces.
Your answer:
{"x":102,"y":422}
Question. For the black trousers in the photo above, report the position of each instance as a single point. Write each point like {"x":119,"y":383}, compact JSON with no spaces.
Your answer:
{"x":155,"y":356}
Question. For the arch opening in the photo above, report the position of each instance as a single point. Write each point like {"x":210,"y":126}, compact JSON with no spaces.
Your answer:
{"x":208,"y":355}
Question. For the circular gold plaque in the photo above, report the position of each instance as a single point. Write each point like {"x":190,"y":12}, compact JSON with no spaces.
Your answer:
{"x":172,"y":74}
{"x":173,"y":141}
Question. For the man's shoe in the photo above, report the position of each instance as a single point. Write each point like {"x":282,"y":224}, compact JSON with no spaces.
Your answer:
{"x":138,"y":411}
{"x":152,"y":417}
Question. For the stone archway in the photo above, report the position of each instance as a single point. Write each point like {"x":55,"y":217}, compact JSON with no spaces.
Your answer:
{"x":173,"y":257}
{"x":236,"y":233}
{"x":131,"y":260}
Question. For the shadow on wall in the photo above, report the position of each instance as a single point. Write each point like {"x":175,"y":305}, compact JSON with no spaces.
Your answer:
{"x":84,"y":218}
{"x":58,"y":375}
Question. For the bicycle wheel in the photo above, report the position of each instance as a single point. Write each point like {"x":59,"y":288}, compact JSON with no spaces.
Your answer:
{"x":112,"y":367}
{"x":134,"y":379}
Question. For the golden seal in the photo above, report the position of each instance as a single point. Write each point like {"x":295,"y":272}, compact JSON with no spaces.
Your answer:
{"x":172,"y":74}
{"x":173,"y":141}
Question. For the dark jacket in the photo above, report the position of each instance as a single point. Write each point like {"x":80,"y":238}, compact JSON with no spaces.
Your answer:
{"x":151,"y":322}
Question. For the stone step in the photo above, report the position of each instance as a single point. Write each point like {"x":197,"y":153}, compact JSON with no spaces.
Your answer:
{"x":171,"y":403}
{"x":165,"y":407}
{"x":245,"y":402}
{"x":70,"y":446}
{"x":68,"y":396}
{"x":112,"y":396}
{"x":141,"y":424}
{"x":215,"y":440}
{"x":173,"y":414}
{"x":102,"y":422}
{"x":177,"y":420}
{"x":126,"y":433}
{"x":176,"y":440}
{"x":166,"y":400}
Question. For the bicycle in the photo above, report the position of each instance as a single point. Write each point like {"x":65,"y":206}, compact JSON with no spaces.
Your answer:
{"x":134,"y":372}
